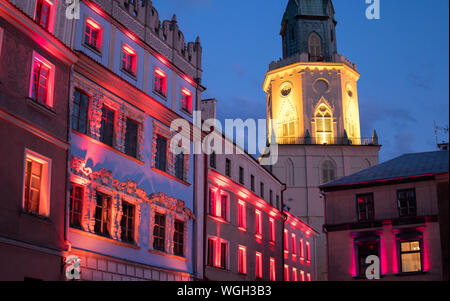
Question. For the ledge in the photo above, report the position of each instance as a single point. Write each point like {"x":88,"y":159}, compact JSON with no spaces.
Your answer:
{"x":43,"y":218}
{"x":167,"y":255}
{"x":170,"y":176}
{"x":47,"y":110}
{"x":105,"y":239}
{"x":218,"y":219}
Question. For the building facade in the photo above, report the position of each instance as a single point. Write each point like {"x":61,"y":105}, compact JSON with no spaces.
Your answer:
{"x":391,"y":211}
{"x":35,"y":70}
{"x":313,"y":113}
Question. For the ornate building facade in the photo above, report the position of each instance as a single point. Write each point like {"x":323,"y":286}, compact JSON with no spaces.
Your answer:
{"x":313,"y":113}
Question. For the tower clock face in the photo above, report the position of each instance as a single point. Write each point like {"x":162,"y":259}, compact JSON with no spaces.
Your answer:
{"x":286,"y":89}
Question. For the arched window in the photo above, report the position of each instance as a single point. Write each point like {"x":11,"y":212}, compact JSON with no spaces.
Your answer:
{"x":315,"y":47}
{"x":324,"y":125}
{"x":328,"y":172}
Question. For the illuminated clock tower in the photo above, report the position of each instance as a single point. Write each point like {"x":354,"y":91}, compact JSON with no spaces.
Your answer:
{"x":313,"y":113}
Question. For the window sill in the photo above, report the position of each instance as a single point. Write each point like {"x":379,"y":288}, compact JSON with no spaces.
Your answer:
{"x":37,"y":216}
{"x":410,"y":274}
{"x":161,"y":253}
{"x":93,"y":49}
{"x":259,"y":237}
{"x":106,"y":239}
{"x":242,"y":229}
{"x":108,"y":147}
{"x":170,"y":176}
{"x":219,"y":219}
{"x":160,"y":94}
{"x":129,"y":73}
{"x":187,"y":112}
{"x":43,"y":108}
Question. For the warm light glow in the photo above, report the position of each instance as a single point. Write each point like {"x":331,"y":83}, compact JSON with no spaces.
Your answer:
{"x":242,"y":260}
{"x":129,"y":50}
{"x":160,"y":72}
{"x":272,"y":270}
{"x":93,"y":24}
{"x":186,"y":92}
{"x":258,"y":267}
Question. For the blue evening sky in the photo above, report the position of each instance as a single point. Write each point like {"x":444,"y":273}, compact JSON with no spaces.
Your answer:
{"x":403,"y":59}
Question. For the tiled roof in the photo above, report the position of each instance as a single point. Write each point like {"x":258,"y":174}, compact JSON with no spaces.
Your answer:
{"x":408,"y":165}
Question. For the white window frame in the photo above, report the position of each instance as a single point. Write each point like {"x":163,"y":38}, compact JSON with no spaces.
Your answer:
{"x":51,"y":78}
{"x":45,"y":190}
{"x":53,"y":10}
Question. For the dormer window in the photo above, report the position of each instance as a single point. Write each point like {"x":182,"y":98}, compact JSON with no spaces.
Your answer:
{"x":43,"y":13}
{"x":93,"y":35}
{"x":129,"y":59}
{"x":160,"y":82}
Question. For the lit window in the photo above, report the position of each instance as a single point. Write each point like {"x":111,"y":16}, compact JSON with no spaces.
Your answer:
{"x":129,"y":58}
{"x":76,"y":205}
{"x":365,"y":205}
{"x":286,"y":272}
{"x":217,"y":253}
{"x":294,"y":246}
{"x":302,"y":275}
{"x":272,"y":230}
{"x":223,"y":207}
{"x":324,"y":125}
{"x":159,"y":232}
{"x":212,"y":201}
{"x":308,"y":252}
{"x":93,"y":35}
{"x":127,"y":223}
{"x":43,"y":13}
{"x":286,"y":241}
{"x":308,"y":277}
{"x":42,"y":79}
{"x":160,"y":82}
{"x":294,"y":274}
{"x":258,"y":224}
{"x":131,"y":138}
{"x":103,"y":215}
{"x":36,"y":197}
{"x":107,"y":126}
{"x":242,"y":218}
{"x":258,"y":267}
{"x":242,"y":264}
{"x":411,"y":256}
{"x":186,"y":100}
{"x":302,"y":250}
{"x":80,"y":112}
{"x":161,"y":153}
{"x":178,"y":238}
{"x":272,"y":270}
{"x":407,"y":202}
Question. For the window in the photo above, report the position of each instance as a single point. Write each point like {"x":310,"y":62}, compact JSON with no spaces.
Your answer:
{"x":211,"y":243}
{"x":278,"y":202}
{"x":43,"y":13}
{"x":407,"y":202}
{"x":1,"y":39}
{"x":93,"y":35}
{"x":223,"y":207}
{"x":212,"y":160}
{"x":308,"y":277}
{"x":228,"y":167}
{"x":131,"y":138}
{"x":42,"y":79}
{"x":127,"y":223}
{"x":294,"y":246}
{"x":365,"y":206}
{"x":212,"y":202}
{"x":258,"y":265}
{"x":271,"y":197}
{"x":223,"y":255}
{"x":324,"y":125}
{"x":129,"y":58}
{"x":217,"y":253}
{"x":314,"y":46}
{"x":366,"y":249}
{"x":76,"y":205}
{"x":308,"y":252}
{"x":302,"y":275}
{"x":160,"y":82}
{"x":328,"y":172}
{"x":37,"y":175}
{"x":286,"y":272}
{"x":242,"y":218}
{"x":241,"y":175}
{"x":186,"y":100}
{"x":159,"y":232}
{"x":107,"y":126}
{"x":179,"y":166}
{"x":411,"y":256}
{"x":272,"y":230}
{"x":80,"y":112}
{"x":103,"y":215}
{"x":178,"y":238}
{"x":286,"y":241}
{"x":262,"y":189}
{"x":161,"y":153}
{"x":252,"y":180}
{"x":294,"y":274}
{"x":302,"y":250}
{"x":258,"y":224}
{"x":272,"y":270}
{"x":242,"y":263}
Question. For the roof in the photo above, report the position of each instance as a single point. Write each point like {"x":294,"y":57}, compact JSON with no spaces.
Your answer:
{"x":405,"y":166}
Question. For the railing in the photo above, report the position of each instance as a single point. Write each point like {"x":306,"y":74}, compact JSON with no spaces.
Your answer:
{"x":332,"y":141}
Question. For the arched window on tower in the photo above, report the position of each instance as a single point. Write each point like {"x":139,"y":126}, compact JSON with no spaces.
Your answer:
{"x":324,"y":125}
{"x":315,"y":47}
{"x":328,"y":171}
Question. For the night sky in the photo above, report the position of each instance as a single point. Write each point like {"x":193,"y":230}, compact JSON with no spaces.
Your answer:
{"x":403,"y":59}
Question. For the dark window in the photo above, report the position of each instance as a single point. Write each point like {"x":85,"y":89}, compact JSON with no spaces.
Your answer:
{"x":33,"y":179}
{"x":252,"y":180}
{"x":107,"y":126}
{"x":262,"y":189}
{"x":102,"y":215}
{"x":241,"y":175}
{"x":43,"y":9}
{"x":178,"y":238}
{"x":212,"y":160}
{"x":365,"y":206}
{"x":159,"y":232}
{"x":212,"y":202}
{"x":365,"y":250}
{"x":131,"y":138}
{"x":411,"y":256}
{"x":223,"y":255}
{"x":80,"y":111}
{"x":406,"y":202}
{"x":179,"y":166}
{"x":127,"y":222}
{"x":223,"y":206}
{"x":278,"y":202}
{"x":211,"y":243}
{"x":161,"y":153}
{"x":271,"y":197}
{"x":76,"y":205}
{"x":228,"y":167}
